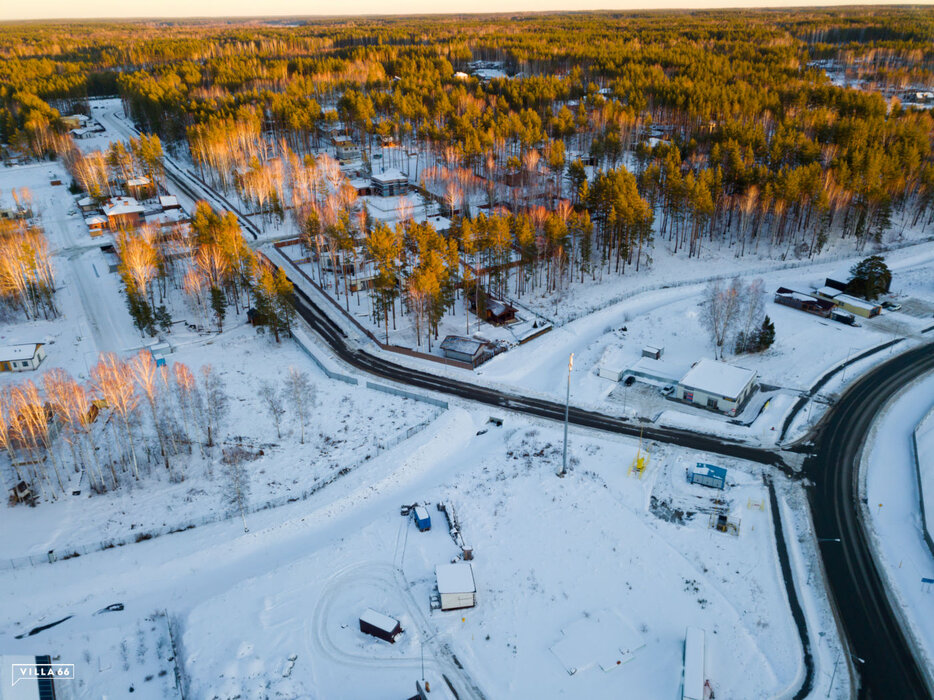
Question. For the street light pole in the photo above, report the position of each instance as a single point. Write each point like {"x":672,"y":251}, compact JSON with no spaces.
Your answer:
{"x":567,"y":404}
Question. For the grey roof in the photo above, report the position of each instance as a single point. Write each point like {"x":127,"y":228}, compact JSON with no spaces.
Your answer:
{"x":458,"y":343}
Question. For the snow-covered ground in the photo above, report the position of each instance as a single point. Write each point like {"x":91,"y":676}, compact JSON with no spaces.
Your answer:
{"x":889,"y":484}
{"x":274,"y":612}
{"x":349,"y":426}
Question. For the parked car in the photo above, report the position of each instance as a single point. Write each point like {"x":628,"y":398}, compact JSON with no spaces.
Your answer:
{"x":891,"y":305}
{"x":668,"y":390}
{"x":629,"y":381}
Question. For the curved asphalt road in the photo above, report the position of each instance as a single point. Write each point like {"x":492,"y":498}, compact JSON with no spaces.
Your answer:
{"x":335,"y":337}
{"x":890,"y":669}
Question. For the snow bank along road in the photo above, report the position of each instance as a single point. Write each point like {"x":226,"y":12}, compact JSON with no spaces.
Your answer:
{"x":889,"y":668}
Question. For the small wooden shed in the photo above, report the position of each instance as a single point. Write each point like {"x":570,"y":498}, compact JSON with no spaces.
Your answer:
{"x":380,"y":626}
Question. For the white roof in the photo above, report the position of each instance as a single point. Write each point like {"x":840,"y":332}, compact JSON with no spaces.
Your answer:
{"x":391,"y":175}
{"x":421,"y":512}
{"x":18,"y":352}
{"x":829,"y":292}
{"x":694,"y":674}
{"x":718,"y":378}
{"x":95,"y":219}
{"x":855,"y":301}
{"x":455,"y":578}
{"x":137,"y":182}
{"x":168,"y":201}
{"x":122,"y":205}
{"x":377,"y":619}
{"x":86,"y":202}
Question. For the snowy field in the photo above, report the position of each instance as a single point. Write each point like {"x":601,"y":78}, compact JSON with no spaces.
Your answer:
{"x":550,"y":554}
{"x":889,"y":482}
{"x":273,"y":613}
{"x":348,"y":426}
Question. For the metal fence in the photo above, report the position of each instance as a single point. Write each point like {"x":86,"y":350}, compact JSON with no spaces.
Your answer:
{"x":407,"y":394}
{"x":304,"y":345}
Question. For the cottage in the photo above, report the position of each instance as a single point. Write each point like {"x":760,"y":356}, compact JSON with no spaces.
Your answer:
{"x":717,"y":385}
{"x":456,"y":585}
{"x":470,"y":350}
{"x":21,"y":358}
{"x":493,"y":310}
{"x":97,"y":224}
{"x":389,"y":183}
{"x":380,"y":626}
{"x":123,"y":213}
{"x":346,"y":149}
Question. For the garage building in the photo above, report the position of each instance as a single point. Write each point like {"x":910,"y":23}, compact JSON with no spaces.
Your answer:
{"x":717,"y":385}
{"x":456,"y":585}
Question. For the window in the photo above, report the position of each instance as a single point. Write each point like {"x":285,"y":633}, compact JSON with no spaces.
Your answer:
{"x":711,"y":403}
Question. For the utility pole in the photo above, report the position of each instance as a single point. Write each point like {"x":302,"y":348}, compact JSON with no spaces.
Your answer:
{"x":567,"y":404}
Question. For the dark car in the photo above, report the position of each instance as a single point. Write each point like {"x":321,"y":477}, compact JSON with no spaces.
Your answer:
{"x":629,"y":381}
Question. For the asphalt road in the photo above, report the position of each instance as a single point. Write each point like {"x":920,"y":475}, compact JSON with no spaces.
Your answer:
{"x":889,"y":668}
{"x":334,"y":336}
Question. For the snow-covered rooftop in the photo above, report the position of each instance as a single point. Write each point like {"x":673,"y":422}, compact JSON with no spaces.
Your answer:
{"x":95,"y":219}
{"x":391,"y":175}
{"x":855,"y":301}
{"x":829,"y":292}
{"x":122,"y":205}
{"x":458,"y":343}
{"x":18,"y":352}
{"x":378,"y":620}
{"x":168,"y":201}
{"x":137,"y":182}
{"x":455,"y":578}
{"x":719,"y":378}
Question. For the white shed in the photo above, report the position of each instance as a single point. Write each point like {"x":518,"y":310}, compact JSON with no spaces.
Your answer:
{"x":694,"y":674}
{"x":456,"y":585}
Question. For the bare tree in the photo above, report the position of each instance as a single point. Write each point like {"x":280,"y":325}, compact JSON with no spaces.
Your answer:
{"x":302,"y":393}
{"x":145,"y":374}
{"x":215,"y":403}
{"x":274,"y":404}
{"x":112,"y":379}
{"x":186,"y":389}
{"x":721,"y":308}
{"x":238,"y":482}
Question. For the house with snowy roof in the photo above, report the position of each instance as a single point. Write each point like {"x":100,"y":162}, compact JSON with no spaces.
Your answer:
{"x":717,"y":385}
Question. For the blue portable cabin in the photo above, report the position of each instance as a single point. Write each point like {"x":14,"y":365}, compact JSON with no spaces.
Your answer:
{"x":422,"y":518}
{"x":708,"y":475}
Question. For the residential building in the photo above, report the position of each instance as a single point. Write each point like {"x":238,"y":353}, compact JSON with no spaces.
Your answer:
{"x":21,"y":358}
